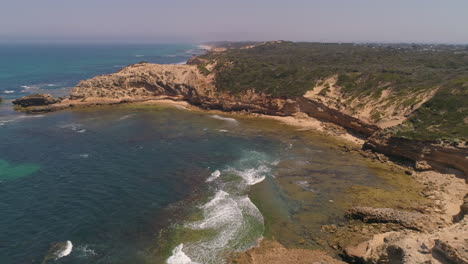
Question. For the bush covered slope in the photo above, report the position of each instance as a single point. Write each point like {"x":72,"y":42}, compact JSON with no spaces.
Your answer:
{"x":291,"y":69}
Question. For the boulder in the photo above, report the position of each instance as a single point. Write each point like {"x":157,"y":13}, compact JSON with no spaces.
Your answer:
{"x":35,"y":100}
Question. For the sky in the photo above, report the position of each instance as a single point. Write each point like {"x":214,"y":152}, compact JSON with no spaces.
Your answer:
{"x":194,"y":21}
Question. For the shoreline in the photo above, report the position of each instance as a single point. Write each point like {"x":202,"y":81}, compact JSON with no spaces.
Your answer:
{"x":302,"y":122}
{"x":446,"y":191}
{"x":446,"y":203}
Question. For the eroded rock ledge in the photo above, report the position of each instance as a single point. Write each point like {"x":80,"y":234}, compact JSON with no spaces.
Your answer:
{"x":410,"y":220}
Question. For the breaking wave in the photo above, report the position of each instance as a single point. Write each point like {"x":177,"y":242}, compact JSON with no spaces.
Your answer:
{"x":126,"y":117}
{"x":235,"y":220}
{"x":214,"y":176}
{"x":179,"y":257}
{"x":252,"y":176}
{"x":227,"y":119}
{"x":230,"y":219}
{"x":66,"y":250}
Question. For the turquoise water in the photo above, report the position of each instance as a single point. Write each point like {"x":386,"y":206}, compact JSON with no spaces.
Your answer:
{"x":148,"y":184}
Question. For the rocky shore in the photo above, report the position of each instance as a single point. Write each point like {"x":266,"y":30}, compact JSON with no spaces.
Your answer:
{"x":435,"y":234}
{"x":144,"y":82}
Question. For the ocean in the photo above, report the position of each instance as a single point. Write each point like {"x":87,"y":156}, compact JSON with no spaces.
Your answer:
{"x":151,"y":184}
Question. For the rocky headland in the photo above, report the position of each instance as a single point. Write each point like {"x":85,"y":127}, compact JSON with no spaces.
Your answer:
{"x":437,"y":234}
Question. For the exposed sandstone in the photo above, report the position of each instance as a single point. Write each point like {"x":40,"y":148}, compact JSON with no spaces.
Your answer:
{"x":272,"y":252}
{"x":448,"y":245}
{"x":411,"y":220}
{"x":425,"y":154}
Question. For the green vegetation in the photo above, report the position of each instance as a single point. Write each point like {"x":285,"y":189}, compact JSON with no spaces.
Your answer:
{"x":202,"y":68}
{"x":443,"y":117}
{"x":290,"y":69}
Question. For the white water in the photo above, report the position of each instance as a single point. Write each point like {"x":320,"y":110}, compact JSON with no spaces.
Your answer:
{"x":75,"y":127}
{"x":252,"y":176}
{"x":213,"y":176}
{"x":126,"y":117}
{"x":227,"y":119}
{"x":234,"y":222}
{"x":84,"y":251}
{"x":66,"y":251}
{"x":231,"y":217}
{"x":179,"y":257}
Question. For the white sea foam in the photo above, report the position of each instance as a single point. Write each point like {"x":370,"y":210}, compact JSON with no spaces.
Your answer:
{"x":214,"y":176}
{"x":234,"y":222}
{"x":84,"y":251}
{"x":66,"y":251}
{"x":75,"y":127}
{"x":232,"y":217}
{"x":275,"y":162}
{"x":227,"y":119}
{"x":223,"y":130}
{"x":84,"y":156}
{"x":18,"y":118}
{"x":51,"y":85}
{"x":252,"y":176}
{"x":181,"y":63}
{"x":30,"y":116}
{"x":179,"y":257}
{"x":8,"y":91}
{"x":126,"y":117}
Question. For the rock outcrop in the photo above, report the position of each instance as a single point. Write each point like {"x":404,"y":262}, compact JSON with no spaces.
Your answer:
{"x":35,"y":100}
{"x":422,"y":153}
{"x":410,"y":220}
{"x":447,"y":245}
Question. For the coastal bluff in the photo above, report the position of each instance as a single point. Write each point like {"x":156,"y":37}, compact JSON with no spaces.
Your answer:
{"x":145,"y":82}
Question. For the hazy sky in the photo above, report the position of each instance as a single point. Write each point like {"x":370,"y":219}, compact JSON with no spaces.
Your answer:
{"x":204,"y":20}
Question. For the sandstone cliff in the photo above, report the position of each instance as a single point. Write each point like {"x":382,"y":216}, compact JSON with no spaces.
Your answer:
{"x":145,"y":81}
{"x":185,"y":82}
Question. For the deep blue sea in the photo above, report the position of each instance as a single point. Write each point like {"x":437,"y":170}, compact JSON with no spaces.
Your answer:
{"x":150,"y":184}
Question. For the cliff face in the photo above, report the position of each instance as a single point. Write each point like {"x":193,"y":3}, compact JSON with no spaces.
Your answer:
{"x":427,"y":155}
{"x":144,"y":81}
{"x":185,"y":82}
